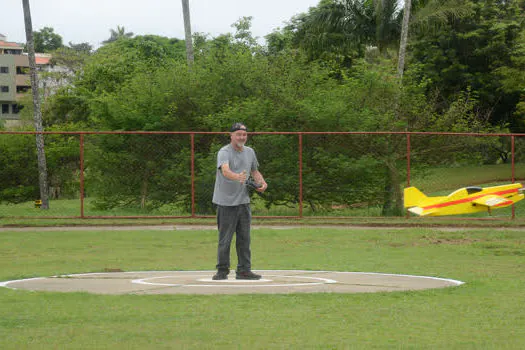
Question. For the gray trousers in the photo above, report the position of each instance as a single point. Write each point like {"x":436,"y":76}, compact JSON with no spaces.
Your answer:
{"x":229,"y":220}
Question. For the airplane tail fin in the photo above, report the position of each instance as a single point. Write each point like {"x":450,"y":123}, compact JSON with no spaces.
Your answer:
{"x":413,"y":197}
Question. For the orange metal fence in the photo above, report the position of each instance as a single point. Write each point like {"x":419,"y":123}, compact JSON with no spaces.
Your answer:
{"x":138,"y":174}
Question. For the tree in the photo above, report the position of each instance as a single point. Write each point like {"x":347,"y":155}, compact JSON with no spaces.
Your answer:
{"x":350,"y":25}
{"x":68,"y":63}
{"x":355,"y":28}
{"x":187,"y":31}
{"x":243,"y":34}
{"x":41,"y":154}
{"x":120,"y":33}
{"x":71,"y":59}
{"x":137,"y":84}
{"x":46,"y":40}
{"x":101,"y":75}
{"x":470,"y":53}
{"x":81,"y":47}
{"x":434,"y":13}
{"x":513,"y":79}
{"x":404,"y":39}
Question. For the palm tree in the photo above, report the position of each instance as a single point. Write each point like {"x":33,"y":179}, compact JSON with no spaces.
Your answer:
{"x":387,"y":23}
{"x":41,"y":154}
{"x":118,"y":34}
{"x":428,"y":14}
{"x":351,"y":24}
{"x":404,"y":39}
{"x":354,"y":24}
{"x":187,"y":31}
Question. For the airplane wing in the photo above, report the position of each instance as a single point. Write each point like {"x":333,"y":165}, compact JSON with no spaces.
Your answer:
{"x":421,"y":211}
{"x":492,"y":201}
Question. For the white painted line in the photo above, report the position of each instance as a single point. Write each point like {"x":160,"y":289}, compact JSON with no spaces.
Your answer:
{"x":456,"y":282}
{"x":324,"y":280}
{"x":5,"y":284}
{"x":143,"y":281}
{"x":251,"y":286}
{"x":233,"y":280}
{"x":130,"y":272}
{"x":222,"y":282}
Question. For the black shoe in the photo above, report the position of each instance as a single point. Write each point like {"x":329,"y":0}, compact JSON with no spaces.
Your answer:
{"x":247,"y":275}
{"x":220,"y":275}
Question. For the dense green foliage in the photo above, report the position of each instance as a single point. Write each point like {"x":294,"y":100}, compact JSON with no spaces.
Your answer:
{"x":471,"y":54}
{"x":454,"y":47}
{"x":46,"y":40}
{"x":320,"y":73}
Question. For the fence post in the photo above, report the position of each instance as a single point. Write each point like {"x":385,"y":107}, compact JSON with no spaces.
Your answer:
{"x":408,"y":159}
{"x":300,"y":175}
{"x":81,"y":175}
{"x":408,"y":167}
{"x":513,"y":172}
{"x":192,"y":138}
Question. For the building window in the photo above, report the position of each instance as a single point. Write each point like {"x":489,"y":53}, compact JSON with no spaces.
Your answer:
{"x":17,"y":108}
{"x":20,"y":89}
{"x":4,"y":88}
{"x":4,"y":69}
{"x":22,"y":70}
{"x":12,"y":52}
{"x":5,"y":108}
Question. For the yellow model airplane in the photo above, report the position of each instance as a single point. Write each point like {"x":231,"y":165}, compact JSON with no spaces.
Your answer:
{"x":463,"y":201}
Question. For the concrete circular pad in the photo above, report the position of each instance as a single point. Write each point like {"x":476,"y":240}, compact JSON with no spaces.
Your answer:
{"x":200,"y":282}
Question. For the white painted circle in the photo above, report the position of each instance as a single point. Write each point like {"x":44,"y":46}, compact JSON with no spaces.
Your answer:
{"x":246,"y":283}
{"x":200,"y":282}
{"x":230,"y":280}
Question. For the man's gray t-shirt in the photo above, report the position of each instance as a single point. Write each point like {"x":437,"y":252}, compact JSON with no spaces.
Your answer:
{"x":230,"y":192}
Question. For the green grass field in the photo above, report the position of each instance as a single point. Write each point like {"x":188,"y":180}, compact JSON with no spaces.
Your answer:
{"x":485,"y":313}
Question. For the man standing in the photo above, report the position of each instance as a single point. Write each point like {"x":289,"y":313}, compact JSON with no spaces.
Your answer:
{"x":234,"y":162}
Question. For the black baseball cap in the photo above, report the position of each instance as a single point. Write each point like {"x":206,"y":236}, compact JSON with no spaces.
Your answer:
{"x":238,"y":126}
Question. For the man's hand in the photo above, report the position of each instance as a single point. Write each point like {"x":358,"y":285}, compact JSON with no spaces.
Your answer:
{"x":262,"y":187}
{"x":259,"y":187}
{"x":259,"y":179}
{"x":242,"y":177}
{"x":252,"y":184}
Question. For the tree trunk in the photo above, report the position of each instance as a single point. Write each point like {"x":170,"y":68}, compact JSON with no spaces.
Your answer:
{"x":144,"y":192}
{"x":393,"y":200}
{"x":403,"y":41}
{"x":187,"y":31}
{"x":37,"y":115}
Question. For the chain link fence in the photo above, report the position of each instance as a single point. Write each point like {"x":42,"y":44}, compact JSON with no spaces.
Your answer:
{"x":316,"y":174}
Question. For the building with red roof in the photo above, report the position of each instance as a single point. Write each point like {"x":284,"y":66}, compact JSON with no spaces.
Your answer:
{"x":14,"y":77}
